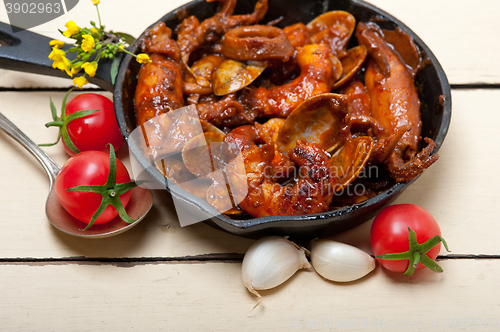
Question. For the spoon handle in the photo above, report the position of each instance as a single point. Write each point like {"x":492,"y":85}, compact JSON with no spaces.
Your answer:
{"x":50,"y":166}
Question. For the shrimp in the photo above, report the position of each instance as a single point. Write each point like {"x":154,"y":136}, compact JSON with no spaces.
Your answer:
{"x":316,"y":77}
{"x":311,"y":192}
{"x":224,"y":112}
{"x":297,"y":34}
{"x":281,"y":164}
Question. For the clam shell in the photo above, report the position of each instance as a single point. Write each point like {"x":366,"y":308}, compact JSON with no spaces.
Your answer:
{"x":322,"y":119}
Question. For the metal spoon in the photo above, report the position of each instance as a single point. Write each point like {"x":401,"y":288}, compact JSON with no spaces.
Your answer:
{"x":140,"y":203}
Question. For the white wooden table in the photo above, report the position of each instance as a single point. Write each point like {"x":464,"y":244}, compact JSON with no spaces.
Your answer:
{"x":160,"y":276}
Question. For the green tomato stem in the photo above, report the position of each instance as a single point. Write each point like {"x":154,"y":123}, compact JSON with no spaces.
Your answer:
{"x":417,"y":253}
{"x":63,"y":121}
{"x":110,"y":192}
{"x":416,"y":259}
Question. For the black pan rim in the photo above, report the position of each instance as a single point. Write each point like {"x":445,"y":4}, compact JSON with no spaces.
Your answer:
{"x":321,"y":219}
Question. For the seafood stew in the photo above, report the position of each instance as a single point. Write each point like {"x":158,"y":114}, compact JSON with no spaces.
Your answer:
{"x":434,"y":105}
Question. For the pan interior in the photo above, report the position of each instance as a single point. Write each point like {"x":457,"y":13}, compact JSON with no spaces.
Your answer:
{"x":434,"y":92}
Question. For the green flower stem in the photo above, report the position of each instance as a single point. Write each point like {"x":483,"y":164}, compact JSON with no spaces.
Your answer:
{"x":128,"y":52}
{"x":110,"y":192}
{"x":98,"y":57}
{"x":99,"y":17}
{"x":417,"y":253}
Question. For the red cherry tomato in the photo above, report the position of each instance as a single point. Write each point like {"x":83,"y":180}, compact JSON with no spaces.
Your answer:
{"x":95,"y":131}
{"x":389,"y":233}
{"x":88,"y":168}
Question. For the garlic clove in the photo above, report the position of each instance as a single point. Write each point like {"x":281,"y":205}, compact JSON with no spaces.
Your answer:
{"x":339,"y":261}
{"x":271,"y":261}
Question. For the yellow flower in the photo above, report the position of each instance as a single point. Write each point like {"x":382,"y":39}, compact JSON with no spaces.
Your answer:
{"x":90,"y":68}
{"x":80,"y":81}
{"x":94,"y":31}
{"x":75,"y":70}
{"x":56,"y":53}
{"x":56,"y":43}
{"x":63,"y":64}
{"x":143,"y":58}
{"x":88,"y":43}
{"x":60,"y":60}
{"x":72,"y":29}
{"x":96,"y":2}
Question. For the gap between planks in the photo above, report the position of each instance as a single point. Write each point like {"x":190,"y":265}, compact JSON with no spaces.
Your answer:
{"x":198,"y":259}
{"x":126,"y":261}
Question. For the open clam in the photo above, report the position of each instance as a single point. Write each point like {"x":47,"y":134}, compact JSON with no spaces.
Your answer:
{"x":323,"y":119}
{"x":179,"y":143}
{"x":177,"y":174}
{"x":232,"y":75}
{"x":201,"y":72}
{"x":334,"y":29}
{"x":350,"y":160}
{"x":202,"y":156}
{"x":168,"y":133}
{"x":205,"y":68}
{"x":338,"y":69}
{"x":351,"y":63}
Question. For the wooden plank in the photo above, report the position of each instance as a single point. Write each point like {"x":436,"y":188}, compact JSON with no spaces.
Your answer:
{"x":460,"y":190}
{"x":211,"y":297}
{"x":441,"y":25}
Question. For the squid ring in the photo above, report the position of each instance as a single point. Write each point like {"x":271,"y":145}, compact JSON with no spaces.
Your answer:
{"x":257,"y":43}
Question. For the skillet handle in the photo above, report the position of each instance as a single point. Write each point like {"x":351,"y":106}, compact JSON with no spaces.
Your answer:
{"x":27,"y":51}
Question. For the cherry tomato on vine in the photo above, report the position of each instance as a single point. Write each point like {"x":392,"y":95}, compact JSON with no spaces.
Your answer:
{"x":94,"y":185}
{"x":86,"y":123}
{"x":405,"y":238}
{"x":94,"y":131}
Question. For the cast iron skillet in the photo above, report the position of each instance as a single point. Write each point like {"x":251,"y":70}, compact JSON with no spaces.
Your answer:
{"x":28,"y":52}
